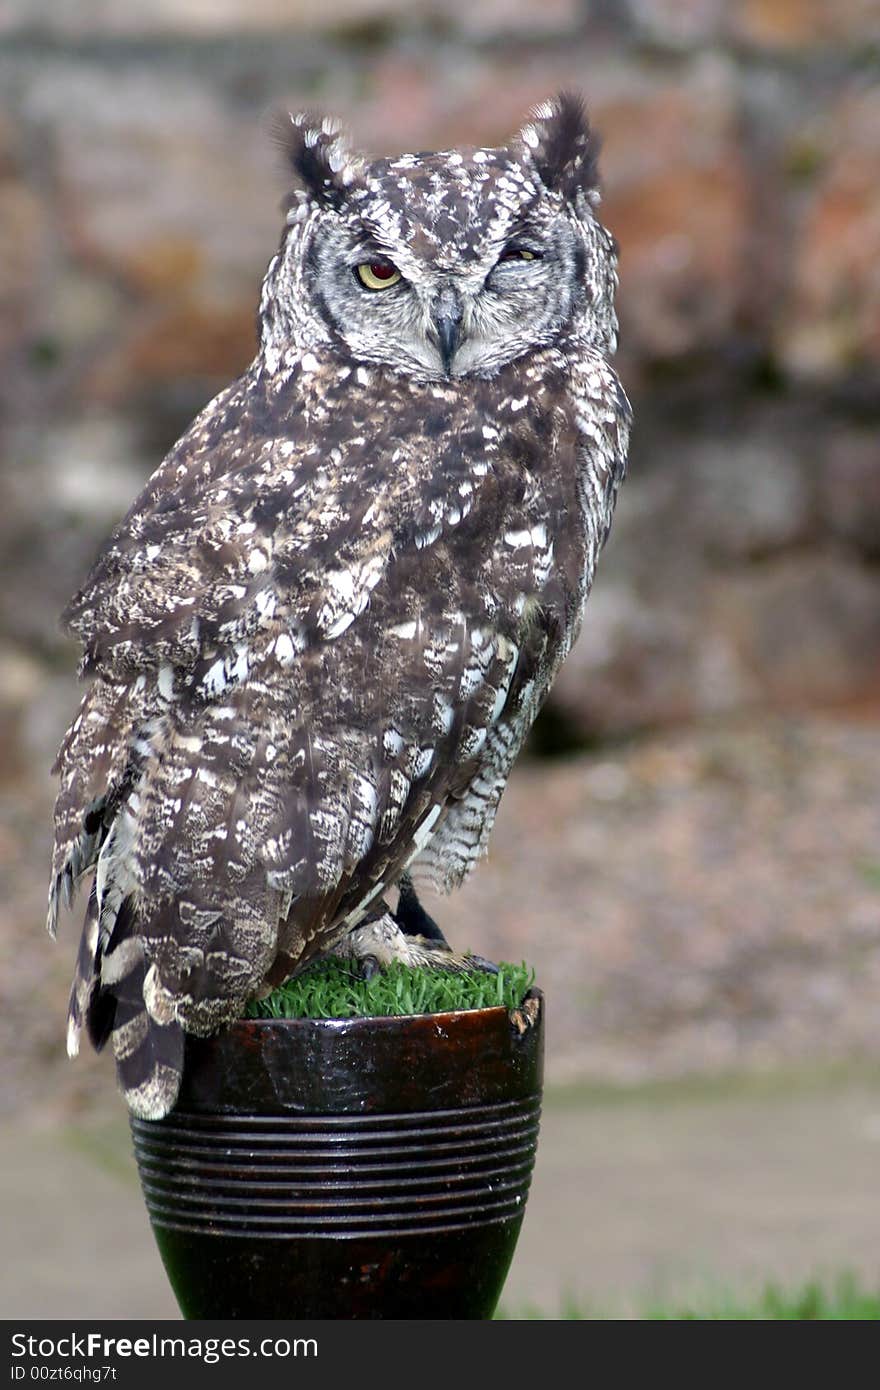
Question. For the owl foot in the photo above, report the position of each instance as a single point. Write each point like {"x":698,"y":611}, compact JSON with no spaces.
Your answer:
{"x":413,"y":920}
{"x":380,"y":940}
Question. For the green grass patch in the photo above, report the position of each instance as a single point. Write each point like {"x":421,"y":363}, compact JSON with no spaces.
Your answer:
{"x":842,"y":1301}
{"x":333,"y":989}
{"x":870,"y":871}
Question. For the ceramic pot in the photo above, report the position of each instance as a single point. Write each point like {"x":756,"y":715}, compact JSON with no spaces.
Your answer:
{"x":358,"y":1168}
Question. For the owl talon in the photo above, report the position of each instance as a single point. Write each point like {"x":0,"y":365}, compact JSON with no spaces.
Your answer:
{"x":412,"y":918}
{"x":380,"y":941}
{"x":480,"y":963}
{"x":369,"y":967}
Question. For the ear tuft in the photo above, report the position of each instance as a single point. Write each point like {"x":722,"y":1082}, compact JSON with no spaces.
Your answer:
{"x":563,"y":147}
{"x":317,"y":150}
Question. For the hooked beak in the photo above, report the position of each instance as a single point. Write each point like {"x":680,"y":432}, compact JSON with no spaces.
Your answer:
{"x":447,"y":316}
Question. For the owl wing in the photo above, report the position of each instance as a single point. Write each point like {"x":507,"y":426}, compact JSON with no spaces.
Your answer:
{"x":299,"y":658}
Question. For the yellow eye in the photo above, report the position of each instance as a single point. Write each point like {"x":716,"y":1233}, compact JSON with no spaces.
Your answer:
{"x":519,"y":253}
{"x":377,"y":275}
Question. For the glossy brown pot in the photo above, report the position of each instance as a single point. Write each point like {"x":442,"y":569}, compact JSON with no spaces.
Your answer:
{"x":361,"y":1168}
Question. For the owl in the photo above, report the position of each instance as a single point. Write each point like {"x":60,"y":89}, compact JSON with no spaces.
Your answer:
{"x":319,"y":637}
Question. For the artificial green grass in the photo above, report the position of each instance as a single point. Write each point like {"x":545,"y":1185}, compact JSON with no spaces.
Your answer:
{"x":334,"y":989}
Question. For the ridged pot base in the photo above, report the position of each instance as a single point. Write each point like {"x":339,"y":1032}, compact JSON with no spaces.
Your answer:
{"x":366,"y":1168}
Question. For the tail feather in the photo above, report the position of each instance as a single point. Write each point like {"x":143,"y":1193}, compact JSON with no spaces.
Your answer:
{"x":117,"y":954}
{"x":81,"y":854}
{"x":107,"y":999}
{"x":86,"y":983}
{"x":99,"y":761}
{"x":149,"y":1055}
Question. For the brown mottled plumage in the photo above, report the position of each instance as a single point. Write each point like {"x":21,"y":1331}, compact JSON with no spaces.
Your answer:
{"x":319,"y":637}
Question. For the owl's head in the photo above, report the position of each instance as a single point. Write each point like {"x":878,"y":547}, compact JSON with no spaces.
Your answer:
{"x":443,"y":265}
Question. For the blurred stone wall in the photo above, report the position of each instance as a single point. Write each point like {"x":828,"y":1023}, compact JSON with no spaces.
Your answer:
{"x":139,"y":205}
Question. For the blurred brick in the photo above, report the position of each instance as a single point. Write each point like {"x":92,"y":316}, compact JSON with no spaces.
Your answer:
{"x":132,"y":17}
{"x":680,"y":23}
{"x":633,"y":667}
{"x":851,"y":489}
{"x":801,"y":632}
{"x":21,"y":224}
{"x":20,"y":689}
{"x":167,"y":213}
{"x":164,"y":192}
{"x":515,"y":16}
{"x":678,"y":199}
{"x":734,"y":576}
{"x":22,"y":228}
{"x":183,"y":340}
{"x":748,"y":496}
{"x":409,"y":100}
{"x":807,"y":628}
{"x":831,"y":321}
{"x":224,"y":17}
{"x":798,"y":24}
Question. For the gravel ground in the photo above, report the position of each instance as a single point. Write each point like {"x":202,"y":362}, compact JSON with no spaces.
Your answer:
{"x":697,"y":902}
